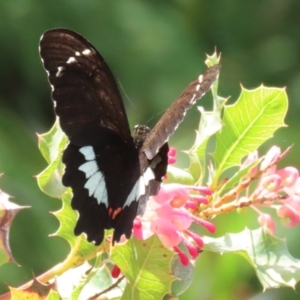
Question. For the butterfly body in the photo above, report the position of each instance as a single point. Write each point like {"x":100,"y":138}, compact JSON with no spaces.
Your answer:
{"x":111,"y":172}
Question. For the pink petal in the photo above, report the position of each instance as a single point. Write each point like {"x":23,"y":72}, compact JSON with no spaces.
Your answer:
{"x":289,"y":176}
{"x":266,"y":221}
{"x":270,"y":157}
{"x":182,"y":256}
{"x":166,"y":232}
{"x":290,"y":215}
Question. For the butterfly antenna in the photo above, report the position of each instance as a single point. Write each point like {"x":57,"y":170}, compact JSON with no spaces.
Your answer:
{"x":156,"y":115}
{"x":129,"y":100}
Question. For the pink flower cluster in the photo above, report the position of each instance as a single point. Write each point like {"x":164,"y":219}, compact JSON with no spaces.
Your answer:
{"x":168,"y":217}
{"x":277,"y":189}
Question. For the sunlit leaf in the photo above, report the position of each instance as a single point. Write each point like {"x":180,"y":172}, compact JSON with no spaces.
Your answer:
{"x":248,"y":123}
{"x":146,"y":266}
{"x":274,"y":265}
{"x":51,"y":145}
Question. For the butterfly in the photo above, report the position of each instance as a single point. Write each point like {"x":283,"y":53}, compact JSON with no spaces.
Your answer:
{"x":111,"y":172}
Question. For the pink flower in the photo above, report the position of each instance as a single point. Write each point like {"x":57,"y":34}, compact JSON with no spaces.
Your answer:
{"x":167,"y":217}
{"x":172,"y":156}
{"x":266,"y":221}
{"x":290,"y":216}
{"x":276,"y":189}
{"x":271,"y":157}
{"x":290,"y":176}
{"x":251,"y":158}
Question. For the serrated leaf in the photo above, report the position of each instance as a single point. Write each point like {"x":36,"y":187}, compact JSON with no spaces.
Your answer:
{"x":142,"y":263}
{"x":249,"y":122}
{"x":86,"y":282}
{"x":49,"y":180}
{"x":81,"y":249}
{"x":36,"y":290}
{"x":274,"y":265}
{"x":52,"y":143}
{"x":8,"y":211}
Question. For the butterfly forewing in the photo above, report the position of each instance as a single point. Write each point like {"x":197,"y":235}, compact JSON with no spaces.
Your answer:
{"x":83,"y":87}
{"x":175,"y":114}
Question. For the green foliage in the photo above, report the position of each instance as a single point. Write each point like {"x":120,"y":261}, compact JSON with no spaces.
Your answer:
{"x":51,"y":145}
{"x":274,"y":265}
{"x":267,"y":55}
{"x":146,"y":265}
{"x":162,"y":45}
{"x":249,"y":122}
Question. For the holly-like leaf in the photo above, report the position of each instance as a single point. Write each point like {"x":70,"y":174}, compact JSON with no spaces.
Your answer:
{"x":36,"y":290}
{"x":274,"y":265}
{"x":81,"y":249}
{"x":8,"y":211}
{"x":93,"y":280}
{"x":87,"y":281}
{"x":210,"y":123}
{"x":51,"y":145}
{"x":248,"y":123}
{"x":146,"y":266}
{"x":49,"y":180}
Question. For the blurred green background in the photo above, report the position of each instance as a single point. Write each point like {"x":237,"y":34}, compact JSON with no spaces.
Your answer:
{"x":154,"y":48}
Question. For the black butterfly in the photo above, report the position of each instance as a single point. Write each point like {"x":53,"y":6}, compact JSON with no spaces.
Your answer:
{"x":111,"y":173}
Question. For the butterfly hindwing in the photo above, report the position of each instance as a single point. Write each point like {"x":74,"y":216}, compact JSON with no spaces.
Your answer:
{"x":102,"y":182}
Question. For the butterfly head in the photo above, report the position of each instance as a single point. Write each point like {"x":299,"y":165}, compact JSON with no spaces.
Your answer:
{"x":140,"y":133}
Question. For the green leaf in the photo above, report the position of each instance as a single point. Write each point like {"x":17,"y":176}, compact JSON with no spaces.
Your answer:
{"x":51,"y":145}
{"x":274,"y":265}
{"x":94,"y":280}
{"x":49,"y":180}
{"x":248,"y":123}
{"x":146,"y":265}
{"x":81,"y":249}
{"x":185,"y":275}
{"x":179,"y":176}
{"x":210,"y":123}
{"x":53,"y":295}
